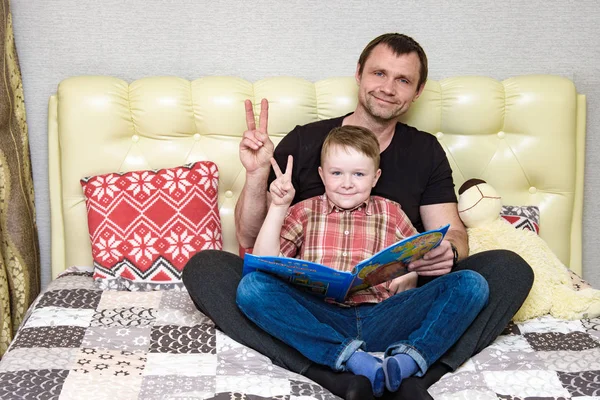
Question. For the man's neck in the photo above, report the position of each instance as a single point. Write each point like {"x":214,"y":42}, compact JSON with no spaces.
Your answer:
{"x":383,"y":130}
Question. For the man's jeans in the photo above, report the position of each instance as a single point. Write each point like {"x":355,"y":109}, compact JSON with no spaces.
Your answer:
{"x":423,"y":323}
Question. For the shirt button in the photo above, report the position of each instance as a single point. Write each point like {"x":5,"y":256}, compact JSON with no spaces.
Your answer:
{"x":346,"y":232}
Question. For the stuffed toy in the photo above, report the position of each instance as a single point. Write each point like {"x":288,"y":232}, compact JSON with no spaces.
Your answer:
{"x":552,"y":293}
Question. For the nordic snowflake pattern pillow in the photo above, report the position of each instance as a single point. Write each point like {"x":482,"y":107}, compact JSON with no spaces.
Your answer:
{"x":522,"y":217}
{"x":145,"y":225}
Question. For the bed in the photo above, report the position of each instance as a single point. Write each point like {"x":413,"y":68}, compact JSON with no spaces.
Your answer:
{"x":524,"y":135}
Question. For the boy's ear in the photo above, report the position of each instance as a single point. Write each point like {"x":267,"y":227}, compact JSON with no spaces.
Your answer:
{"x":377,"y":175}
{"x":321,"y":174}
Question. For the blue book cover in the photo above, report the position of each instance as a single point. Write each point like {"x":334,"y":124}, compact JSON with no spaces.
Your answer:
{"x":329,"y":283}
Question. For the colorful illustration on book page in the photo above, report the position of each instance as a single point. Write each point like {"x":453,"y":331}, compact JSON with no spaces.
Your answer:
{"x":415,"y":249}
{"x":385,"y":273}
{"x":376,"y":273}
{"x":362,"y":274}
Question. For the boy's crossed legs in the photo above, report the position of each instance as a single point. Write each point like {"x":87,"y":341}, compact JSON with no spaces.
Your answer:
{"x":413,"y":328}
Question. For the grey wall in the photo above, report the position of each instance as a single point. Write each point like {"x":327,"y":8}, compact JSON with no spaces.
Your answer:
{"x":310,"y":39}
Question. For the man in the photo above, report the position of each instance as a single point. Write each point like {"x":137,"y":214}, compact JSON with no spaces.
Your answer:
{"x":391,"y":74}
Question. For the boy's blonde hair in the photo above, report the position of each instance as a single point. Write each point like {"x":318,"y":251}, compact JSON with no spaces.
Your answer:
{"x":354,"y":137}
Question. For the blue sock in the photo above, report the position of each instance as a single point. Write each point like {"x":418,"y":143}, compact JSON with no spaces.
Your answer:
{"x":361,"y":363}
{"x":396,"y":368}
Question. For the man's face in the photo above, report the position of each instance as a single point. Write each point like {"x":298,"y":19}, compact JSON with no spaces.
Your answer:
{"x":348,"y":176}
{"x":388,"y":83}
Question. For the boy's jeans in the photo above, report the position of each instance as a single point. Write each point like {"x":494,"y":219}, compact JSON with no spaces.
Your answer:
{"x":422,"y":322}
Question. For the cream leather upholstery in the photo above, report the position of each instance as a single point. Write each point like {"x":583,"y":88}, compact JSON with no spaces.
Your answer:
{"x":524,"y":135}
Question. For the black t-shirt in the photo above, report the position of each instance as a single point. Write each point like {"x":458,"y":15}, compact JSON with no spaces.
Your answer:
{"x":414,"y":167}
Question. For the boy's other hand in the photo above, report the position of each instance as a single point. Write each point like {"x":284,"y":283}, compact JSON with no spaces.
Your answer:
{"x":404,"y":282}
{"x":282,"y":190}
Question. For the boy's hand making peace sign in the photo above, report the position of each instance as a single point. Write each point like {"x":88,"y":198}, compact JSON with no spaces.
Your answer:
{"x":282,"y":190}
{"x":256,"y":148}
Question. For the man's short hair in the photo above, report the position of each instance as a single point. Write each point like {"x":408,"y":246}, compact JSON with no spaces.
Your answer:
{"x":400,"y":44}
{"x":354,"y":137}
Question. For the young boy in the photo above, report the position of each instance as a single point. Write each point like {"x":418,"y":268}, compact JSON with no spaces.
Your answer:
{"x":339,"y":229}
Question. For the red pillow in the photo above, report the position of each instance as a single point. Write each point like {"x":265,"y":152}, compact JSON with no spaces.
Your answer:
{"x":522,"y":217}
{"x":145,"y":225}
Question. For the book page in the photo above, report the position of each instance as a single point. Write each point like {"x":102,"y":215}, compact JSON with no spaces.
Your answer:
{"x":391,"y":262}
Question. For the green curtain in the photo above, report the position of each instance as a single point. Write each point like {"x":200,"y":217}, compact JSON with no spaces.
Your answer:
{"x":19,"y":250}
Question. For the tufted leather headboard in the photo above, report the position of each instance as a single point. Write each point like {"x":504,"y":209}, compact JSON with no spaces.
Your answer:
{"x":524,"y":135}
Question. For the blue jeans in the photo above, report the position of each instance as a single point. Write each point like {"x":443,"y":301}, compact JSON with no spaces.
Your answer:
{"x":422,"y":322}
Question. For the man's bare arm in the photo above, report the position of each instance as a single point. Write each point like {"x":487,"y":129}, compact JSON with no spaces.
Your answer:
{"x":256,"y":150}
{"x":251,"y":209}
{"x":437,"y":215}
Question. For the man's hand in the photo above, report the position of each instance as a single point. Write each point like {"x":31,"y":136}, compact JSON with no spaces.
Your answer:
{"x":282,"y":190}
{"x":256,"y":148}
{"x":437,"y":261}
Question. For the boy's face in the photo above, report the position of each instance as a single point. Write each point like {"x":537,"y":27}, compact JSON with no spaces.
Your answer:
{"x":348,"y":176}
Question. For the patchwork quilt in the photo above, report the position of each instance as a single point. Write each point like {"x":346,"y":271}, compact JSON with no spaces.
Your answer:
{"x":80,"y":342}
{"x":543,"y":358}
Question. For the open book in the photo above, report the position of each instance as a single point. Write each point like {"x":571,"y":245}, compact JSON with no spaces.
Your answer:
{"x":327,"y":282}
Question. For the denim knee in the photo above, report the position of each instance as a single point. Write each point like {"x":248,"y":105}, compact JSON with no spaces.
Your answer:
{"x":475,"y":285}
{"x":248,"y":290}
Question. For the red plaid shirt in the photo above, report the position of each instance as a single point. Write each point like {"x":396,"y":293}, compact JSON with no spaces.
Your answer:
{"x":316,"y":230}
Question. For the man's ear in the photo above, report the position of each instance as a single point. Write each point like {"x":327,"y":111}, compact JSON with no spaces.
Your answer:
{"x":321,"y":174}
{"x":377,"y":175}
{"x":419,"y":91}
{"x":357,"y":74}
